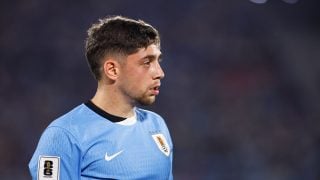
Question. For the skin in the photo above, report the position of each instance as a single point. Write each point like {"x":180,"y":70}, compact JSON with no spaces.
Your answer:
{"x":127,"y":81}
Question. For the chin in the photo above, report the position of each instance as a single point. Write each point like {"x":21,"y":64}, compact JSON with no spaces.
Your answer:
{"x":147,"y":101}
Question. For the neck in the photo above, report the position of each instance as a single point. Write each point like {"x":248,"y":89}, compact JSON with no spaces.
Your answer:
{"x":112,"y":101}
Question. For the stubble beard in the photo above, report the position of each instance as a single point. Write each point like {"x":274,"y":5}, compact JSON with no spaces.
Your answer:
{"x":142,"y":98}
{"x":146,"y":100}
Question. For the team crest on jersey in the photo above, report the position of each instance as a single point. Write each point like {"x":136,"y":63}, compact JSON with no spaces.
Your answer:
{"x":162,"y":143}
{"x":48,"y":168}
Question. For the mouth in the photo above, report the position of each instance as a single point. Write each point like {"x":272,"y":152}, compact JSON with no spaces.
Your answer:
{"x":155,"y":90}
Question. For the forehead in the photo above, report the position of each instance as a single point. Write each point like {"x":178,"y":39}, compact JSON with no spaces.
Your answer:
{"x":151,"y":50}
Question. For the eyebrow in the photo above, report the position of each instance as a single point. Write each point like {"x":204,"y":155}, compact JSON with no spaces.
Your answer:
{"x":153,"y":57}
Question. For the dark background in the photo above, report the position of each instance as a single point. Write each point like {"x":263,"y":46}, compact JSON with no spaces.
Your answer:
{"x":241,"y":93}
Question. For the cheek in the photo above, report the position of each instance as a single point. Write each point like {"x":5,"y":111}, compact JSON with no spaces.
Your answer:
{"x":135,"y":79}
{"x":136,"y":75}
{"x":132,"y":82}
{"x":139,"y":85}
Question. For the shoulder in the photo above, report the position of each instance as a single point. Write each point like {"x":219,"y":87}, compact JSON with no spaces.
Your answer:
{"x":146,"y":114}
{"x":150,"y":117}
{"x":70,"y":117}
{"x":71,"y":122}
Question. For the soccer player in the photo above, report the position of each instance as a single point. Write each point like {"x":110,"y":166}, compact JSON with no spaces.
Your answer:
{"x":108,"y":137}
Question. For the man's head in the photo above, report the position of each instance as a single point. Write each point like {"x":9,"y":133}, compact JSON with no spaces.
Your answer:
{"x":115,"y":37}
{"x":125,"y":55}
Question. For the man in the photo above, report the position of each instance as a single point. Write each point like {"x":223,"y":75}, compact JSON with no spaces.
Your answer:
{"x":109,"y":137}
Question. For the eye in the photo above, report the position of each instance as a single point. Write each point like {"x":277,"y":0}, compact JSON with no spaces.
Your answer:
{"x":147,"y":62}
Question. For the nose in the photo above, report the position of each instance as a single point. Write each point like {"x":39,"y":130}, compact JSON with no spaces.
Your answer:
{"x":159,"y":74}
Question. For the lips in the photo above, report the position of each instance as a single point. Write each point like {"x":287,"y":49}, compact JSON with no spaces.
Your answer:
{"x":155,"y":90}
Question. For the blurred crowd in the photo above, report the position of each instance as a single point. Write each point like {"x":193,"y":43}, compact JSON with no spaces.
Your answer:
{"x":241,"y":92}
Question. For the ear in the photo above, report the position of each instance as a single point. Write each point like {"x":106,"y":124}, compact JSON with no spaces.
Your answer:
{"x":111,"y":69}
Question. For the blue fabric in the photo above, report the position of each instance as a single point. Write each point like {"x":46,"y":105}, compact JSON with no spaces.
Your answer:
{"x":81,"y":138}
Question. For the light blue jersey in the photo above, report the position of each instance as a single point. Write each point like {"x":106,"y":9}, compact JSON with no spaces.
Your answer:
{"x":83,"y":144}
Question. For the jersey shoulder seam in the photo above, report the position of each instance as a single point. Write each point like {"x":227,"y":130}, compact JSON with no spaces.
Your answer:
{"x":68,"y":132}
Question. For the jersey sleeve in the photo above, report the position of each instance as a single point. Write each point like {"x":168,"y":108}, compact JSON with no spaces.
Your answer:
{"x":57,"y":156}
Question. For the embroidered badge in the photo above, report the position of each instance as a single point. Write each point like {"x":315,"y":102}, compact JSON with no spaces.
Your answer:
{"x":162,"y":143}
{"x":48,"y":168}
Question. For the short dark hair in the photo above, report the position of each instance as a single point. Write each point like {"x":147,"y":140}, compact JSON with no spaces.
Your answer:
{"x":117,"y":35}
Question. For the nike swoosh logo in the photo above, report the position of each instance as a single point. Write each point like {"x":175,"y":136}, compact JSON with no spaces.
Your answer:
{"x":109,"y":158}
